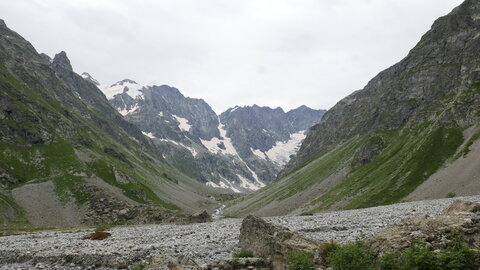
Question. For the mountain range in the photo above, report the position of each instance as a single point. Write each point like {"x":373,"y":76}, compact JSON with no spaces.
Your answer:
{"x":241,"y":150}
{"x":73,"y":155}
{"x":76,"y":152}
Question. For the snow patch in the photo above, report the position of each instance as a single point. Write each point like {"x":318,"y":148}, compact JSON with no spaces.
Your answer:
{"x":258,"y":153}
{"x":132,"y":88}
{"x":281,"y":151}
{"x":87,"y":76}
{"x":183,"y":123}
{"x":189,"y":148}
{"x":247,"y":184}
{"x":234,"y":108}
{"x":126,"y":111}
{"x":216,"y":145}
{"x":228,"y":185}
{"x":212,"y":184}
{"x":149,"y":134}
{"x":160,"y":114}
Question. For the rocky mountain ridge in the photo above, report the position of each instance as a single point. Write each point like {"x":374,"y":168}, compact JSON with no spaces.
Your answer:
{"x":413,"y":126}
{"x":241,"y":150}
{"x":68,"y":158}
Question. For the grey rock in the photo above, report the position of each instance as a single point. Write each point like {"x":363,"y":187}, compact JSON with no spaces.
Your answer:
{"x":200,"y":217}
{"x":61,"y":61}
{"x":440,"y":67}
{"x":461,"y":220}
{"x":264,"y":239}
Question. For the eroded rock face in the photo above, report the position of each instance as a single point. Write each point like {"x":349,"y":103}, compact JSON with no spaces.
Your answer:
{"x":264,"y":239}
{"x":460,"y":219}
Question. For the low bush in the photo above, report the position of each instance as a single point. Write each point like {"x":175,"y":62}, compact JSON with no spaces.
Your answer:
{"x":355,"y":256}
{"x":457,"y":256}
{"x":451,"y":195}
{"x":418,"y":257}
{"x":352,"y":256}
{"x":390,"y":261}
{"x":300,"y":260}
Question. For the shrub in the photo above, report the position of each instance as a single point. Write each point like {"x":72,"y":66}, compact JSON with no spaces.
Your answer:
{"x":353,"y":256}
{"x":328,"y":248}
{"x":457,"y":257}
{"x":300,"y":260}
{"x":243,"y":254}
{"x":451,"y":195}
{"x":390,"y":261}
{"x":418,"y":257}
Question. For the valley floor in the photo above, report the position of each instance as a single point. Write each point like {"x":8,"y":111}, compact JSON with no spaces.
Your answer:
{"x":204,"y":243}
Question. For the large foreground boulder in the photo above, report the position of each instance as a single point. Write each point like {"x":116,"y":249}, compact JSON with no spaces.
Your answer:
{"x":264,"y":239}
{"x":460,"y":220}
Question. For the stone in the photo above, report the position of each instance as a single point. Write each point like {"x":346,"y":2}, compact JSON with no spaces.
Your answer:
{"x":460,"y":219}
{"x":200,"y":217}
{"x":264,"y":239}
{"x":460,"y":206}
{"x":166,"y":262}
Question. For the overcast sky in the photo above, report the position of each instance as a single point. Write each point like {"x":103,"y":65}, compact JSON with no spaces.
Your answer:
{"x":231,"y":52}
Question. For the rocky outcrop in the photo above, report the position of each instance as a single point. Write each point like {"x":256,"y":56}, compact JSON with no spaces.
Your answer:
{"x":460,"y":220}
{"x":264,"y":239}
{"x":381,"y":143}
{"x":200,"y":217}
{"x":440,"y":67}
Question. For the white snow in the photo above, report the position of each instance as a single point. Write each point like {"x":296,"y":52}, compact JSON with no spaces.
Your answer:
{"x":183,"y":123}
{"x":78,"y":95}
{"x":160,"y":114}
{"x":228,"y":185}
{"x":125,"y":111}
{"x":88,"y":77}
{"x":247,"y":184}
{"x":212,"y":145}
{"x":281,"y":151}
{"x":149,"y":134}
{"x":212,"y":184}
{"x":255,"y":176}
{"x":133,"y":89}
{"x":189,"y":148}
{"x":258,"y":153}
{"x":234,"y":108}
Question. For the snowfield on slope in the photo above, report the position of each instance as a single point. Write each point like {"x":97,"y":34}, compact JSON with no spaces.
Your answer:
{"x":204,"y":243}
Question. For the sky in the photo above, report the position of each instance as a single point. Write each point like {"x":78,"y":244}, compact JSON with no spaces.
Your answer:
{"x":277,"y":53}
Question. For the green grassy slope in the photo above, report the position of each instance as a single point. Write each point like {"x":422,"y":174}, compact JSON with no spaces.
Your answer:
{"x":56,"y":127}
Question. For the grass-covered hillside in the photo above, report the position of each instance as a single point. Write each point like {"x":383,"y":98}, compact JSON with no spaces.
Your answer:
{"x":68,"y":158}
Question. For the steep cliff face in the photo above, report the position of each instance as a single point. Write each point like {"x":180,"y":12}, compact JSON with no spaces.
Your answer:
{"x":67,"y":157}
{"x":379,"y":144}
{"x":442,"y":68}
{"x":241,"y":150}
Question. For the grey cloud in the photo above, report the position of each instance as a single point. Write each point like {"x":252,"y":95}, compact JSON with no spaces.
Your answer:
{"x":239,"y":52}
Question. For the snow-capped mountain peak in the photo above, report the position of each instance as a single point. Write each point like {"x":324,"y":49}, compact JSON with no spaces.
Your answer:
{"x":128,"y":86}
{"x":89,"y":78}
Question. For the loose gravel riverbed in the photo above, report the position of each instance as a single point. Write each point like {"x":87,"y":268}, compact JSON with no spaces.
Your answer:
{"x":204,"y":243}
